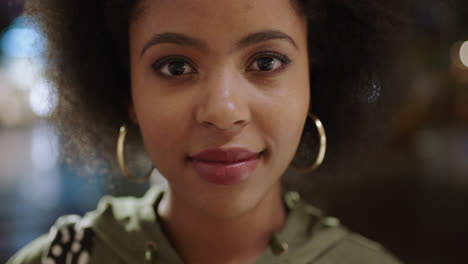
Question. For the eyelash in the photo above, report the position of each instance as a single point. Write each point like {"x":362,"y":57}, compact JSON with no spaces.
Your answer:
{"x":160,"y":63}
{"x":271,"y":54}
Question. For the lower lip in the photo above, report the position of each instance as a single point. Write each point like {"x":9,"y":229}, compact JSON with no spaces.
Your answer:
{"x":226,"y":173}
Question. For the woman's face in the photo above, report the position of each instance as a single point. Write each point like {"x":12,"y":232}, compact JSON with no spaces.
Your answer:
{"x":219,"y":75}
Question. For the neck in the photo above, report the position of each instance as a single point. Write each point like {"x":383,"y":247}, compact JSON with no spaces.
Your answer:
{"x":201,"y":237}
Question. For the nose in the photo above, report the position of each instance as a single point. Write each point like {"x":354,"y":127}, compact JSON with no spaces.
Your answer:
{"x":223,"y":103}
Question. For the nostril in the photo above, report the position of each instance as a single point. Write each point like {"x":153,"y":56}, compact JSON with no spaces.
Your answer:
{"x":207,"y":124}
{"x":240,"y":122}
{"x":221,"y":115}
{"x":233,"y":127}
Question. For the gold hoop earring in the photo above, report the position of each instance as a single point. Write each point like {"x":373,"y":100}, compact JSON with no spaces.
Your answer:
{"x":121,"y":158}
{"x":322,"y":149}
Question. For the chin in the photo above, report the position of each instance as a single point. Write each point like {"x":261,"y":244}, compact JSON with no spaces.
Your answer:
{"x":233,"y":201}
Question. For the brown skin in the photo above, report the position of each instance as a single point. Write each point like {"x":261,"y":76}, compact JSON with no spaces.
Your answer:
{"x":223,"y":99}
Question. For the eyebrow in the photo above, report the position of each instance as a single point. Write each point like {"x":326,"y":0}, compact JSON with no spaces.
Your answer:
{"x":184,"y":40}
{"x":262,"y":36}
{"x":174,"y":38}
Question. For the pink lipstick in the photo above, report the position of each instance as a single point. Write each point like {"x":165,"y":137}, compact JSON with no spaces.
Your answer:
{"x":225,"y":166}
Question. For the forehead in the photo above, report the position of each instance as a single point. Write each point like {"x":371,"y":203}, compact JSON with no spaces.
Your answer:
{"x":199,"y":5}
{"x":217,"y":18}
{"x":209,"y":5}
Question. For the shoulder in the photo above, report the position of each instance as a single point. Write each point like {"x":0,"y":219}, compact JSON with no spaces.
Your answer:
{"x":125,"y":214}
{"x":322,"y":239}
{"x":102,"y":234}
{"x":32,"y":253}
{"x":356,"y":249}
{"x":66,"y":242}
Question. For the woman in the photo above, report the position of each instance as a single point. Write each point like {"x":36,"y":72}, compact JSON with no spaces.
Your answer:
{"x":220,"y":92}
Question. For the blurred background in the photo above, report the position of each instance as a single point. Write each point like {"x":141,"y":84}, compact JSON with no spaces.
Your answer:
{"x":414,"y":200}
{"x":36,"y":187}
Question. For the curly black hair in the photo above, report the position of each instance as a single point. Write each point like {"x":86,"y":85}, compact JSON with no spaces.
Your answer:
{"x":349,"y":47}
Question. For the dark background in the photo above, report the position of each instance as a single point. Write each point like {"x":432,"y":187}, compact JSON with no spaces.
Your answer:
{"x":412,"y":198}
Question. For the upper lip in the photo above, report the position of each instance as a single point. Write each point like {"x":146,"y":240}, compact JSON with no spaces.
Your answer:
{"x":224,"y":155}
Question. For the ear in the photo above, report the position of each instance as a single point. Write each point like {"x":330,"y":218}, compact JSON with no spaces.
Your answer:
{"x":131,"y":113}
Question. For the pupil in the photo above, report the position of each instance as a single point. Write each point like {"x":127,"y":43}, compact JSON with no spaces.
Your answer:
{"x":177,"y":67}
{"x":266,"y":64}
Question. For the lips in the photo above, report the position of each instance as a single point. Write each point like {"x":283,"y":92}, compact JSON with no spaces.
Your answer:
{"x":224,"y":156}
{"x":225,"y":166}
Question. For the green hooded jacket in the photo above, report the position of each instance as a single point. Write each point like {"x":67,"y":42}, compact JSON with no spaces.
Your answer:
{"x":126,"y":230}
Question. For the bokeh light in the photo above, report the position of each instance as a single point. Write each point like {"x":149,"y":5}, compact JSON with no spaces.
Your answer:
{"x":44,"y":148}
{"x":464,"y":53}
{"x":43,"y":98}
{"x":22,"y":40}
{"x":23,"y":72}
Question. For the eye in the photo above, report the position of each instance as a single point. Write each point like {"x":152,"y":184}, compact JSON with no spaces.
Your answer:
{"x":173,"y":67}
{"x":268,"y":62}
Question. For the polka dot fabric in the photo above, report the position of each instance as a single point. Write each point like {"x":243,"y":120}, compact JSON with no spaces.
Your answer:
{"x":70,"y":244}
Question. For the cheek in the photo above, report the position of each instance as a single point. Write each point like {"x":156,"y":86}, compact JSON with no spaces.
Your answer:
{"x":294,"y":114}
{"x":284,"y":122}
{"x":163,"y":125}
{"x":291,"y":106}
{"x":288,"y":128}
